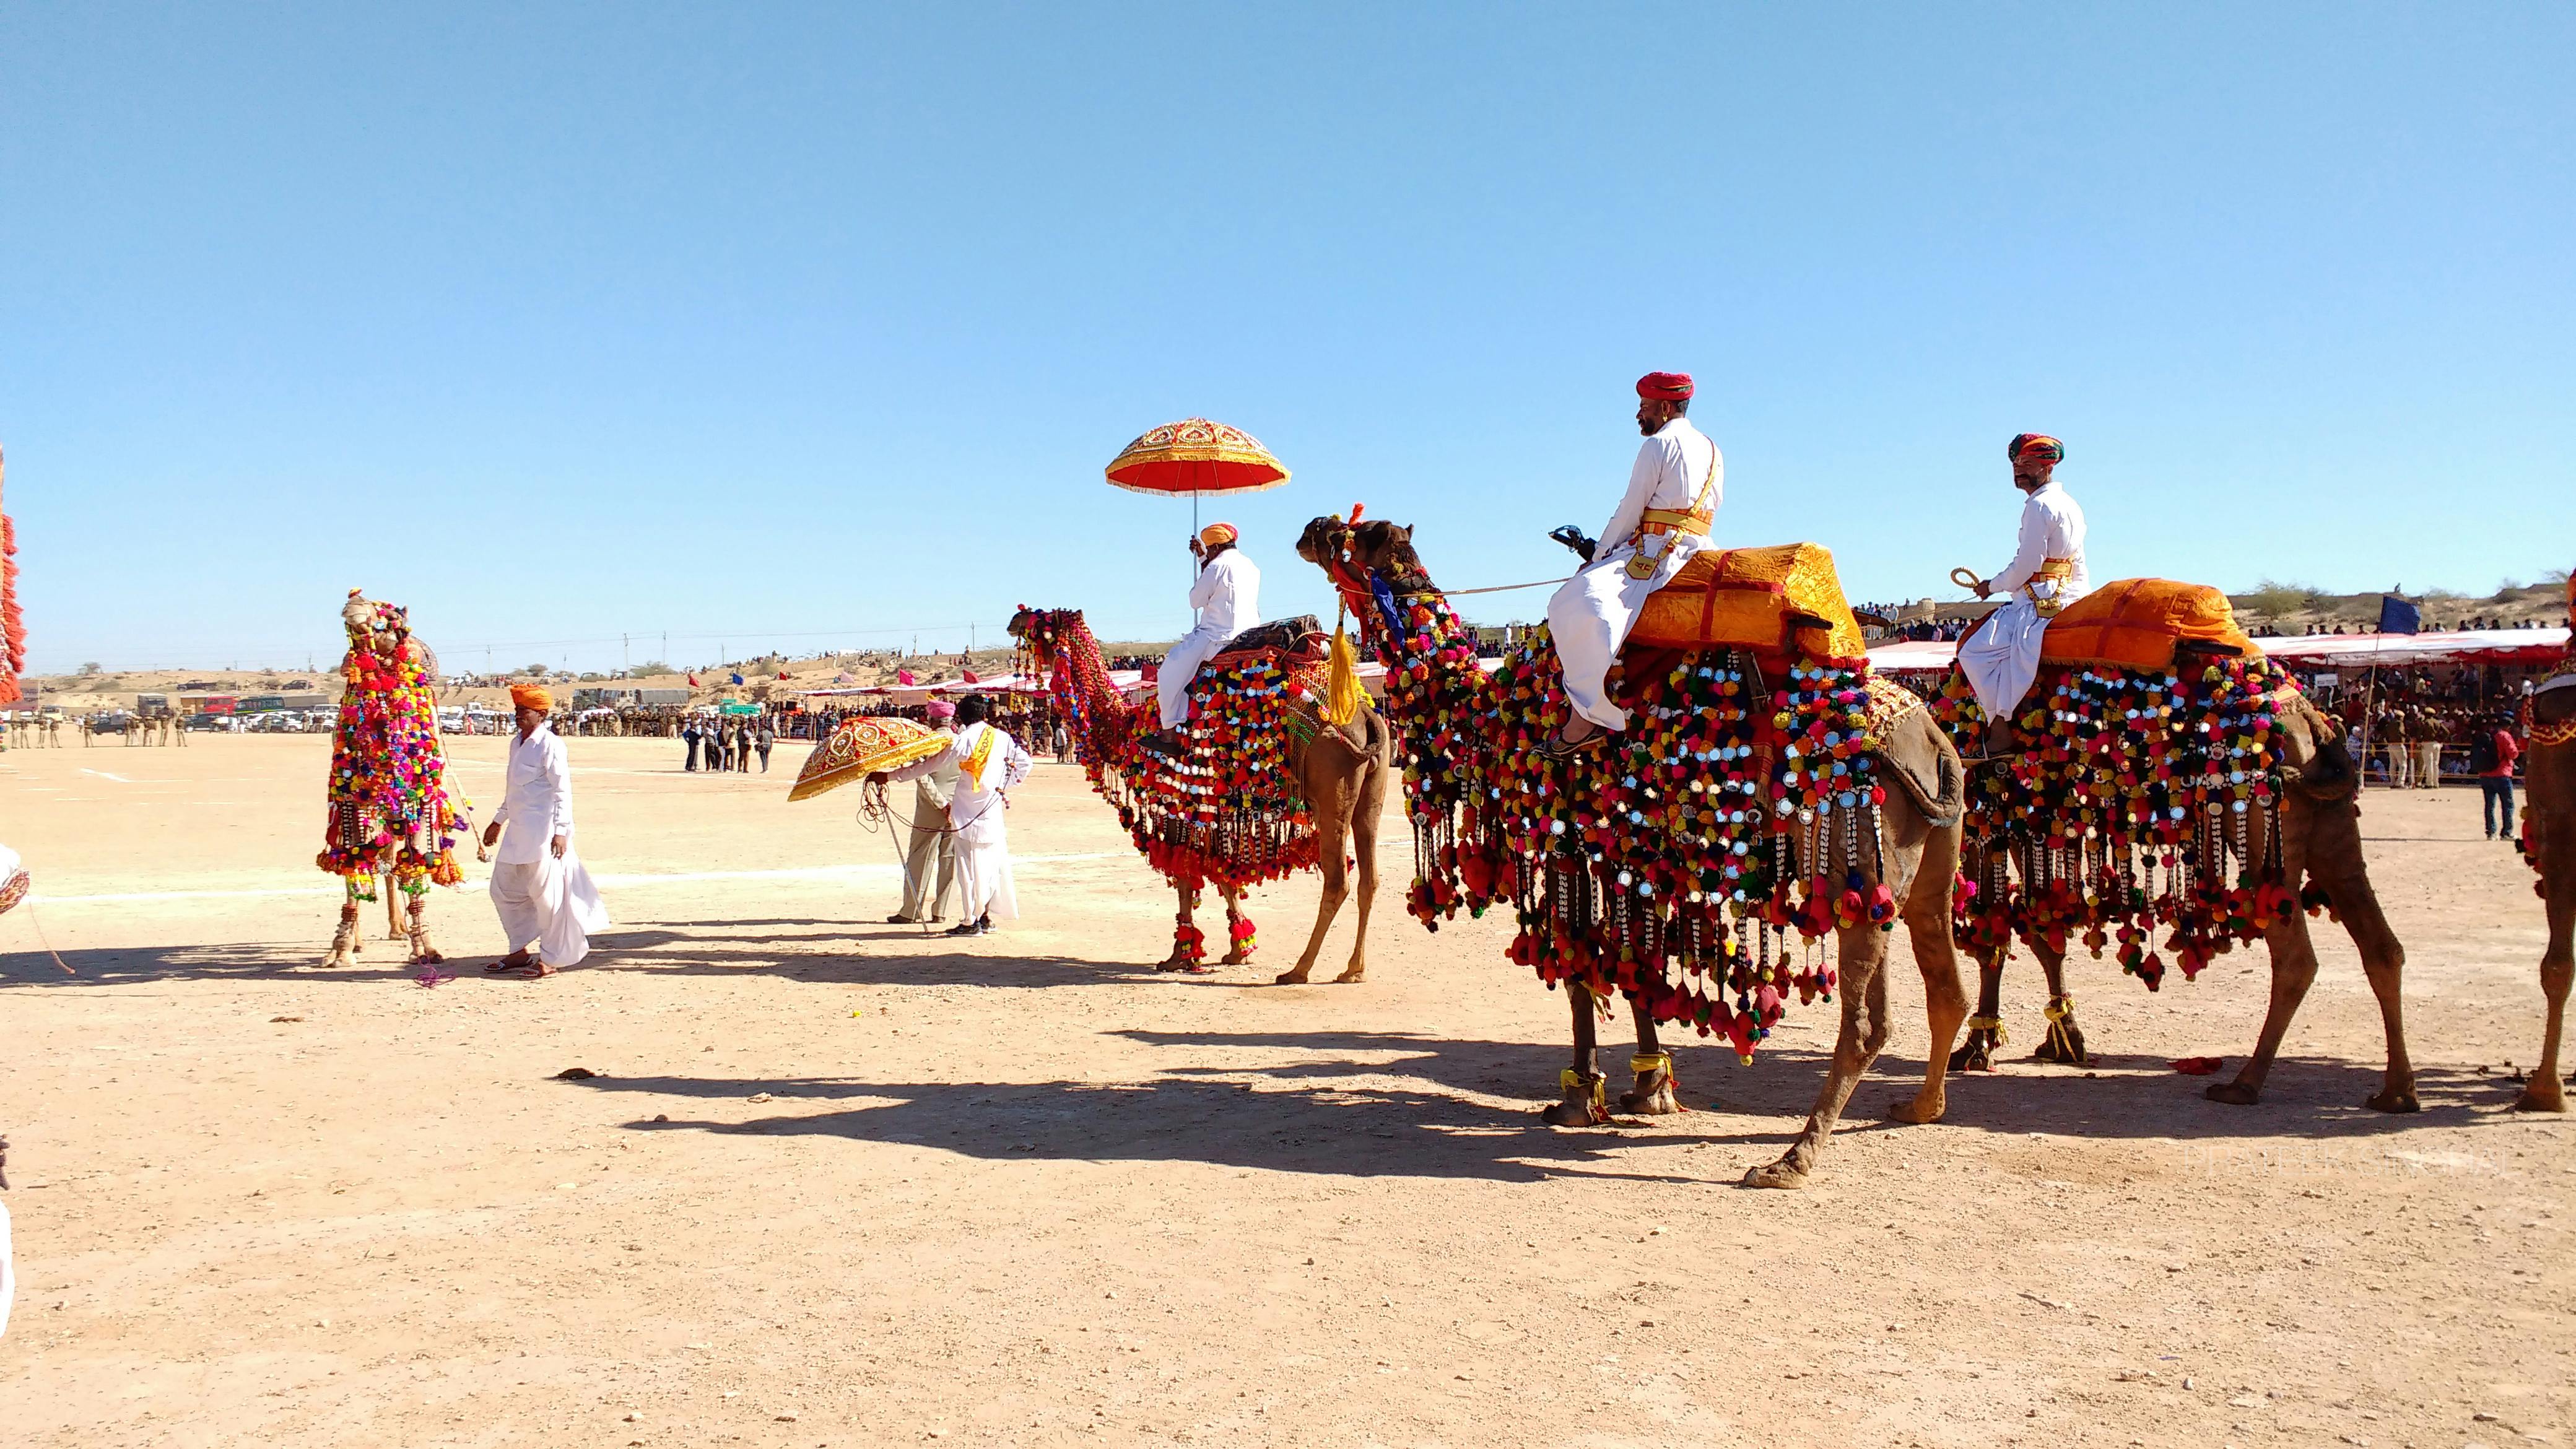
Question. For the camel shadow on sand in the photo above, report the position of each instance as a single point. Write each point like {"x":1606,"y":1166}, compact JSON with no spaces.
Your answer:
{"x":1368,"y":1104}
{"x":1348,"y":1131}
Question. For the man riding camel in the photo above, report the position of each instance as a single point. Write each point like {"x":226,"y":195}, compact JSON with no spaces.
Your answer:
{"x":2000,"y":657}
{"x":1228,"y":599}
{"x":1673,"y":493}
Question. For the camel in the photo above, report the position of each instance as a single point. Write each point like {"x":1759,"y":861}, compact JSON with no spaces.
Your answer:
{"x":1469,"y":737}
{"x":389,"y":815}
{"x":2306,"y":850}
{"x":2549,"y":843}
{"x":1339,"y":774}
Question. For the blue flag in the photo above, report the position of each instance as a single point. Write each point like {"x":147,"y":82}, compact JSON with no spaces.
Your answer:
{"x":737,"y":674}
{"x":2396,"y":616}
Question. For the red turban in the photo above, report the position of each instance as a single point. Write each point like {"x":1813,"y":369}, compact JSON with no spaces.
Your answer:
{"x":2048,"y":449}
{"x":532,"y":696}
{"x":1665,"y":387}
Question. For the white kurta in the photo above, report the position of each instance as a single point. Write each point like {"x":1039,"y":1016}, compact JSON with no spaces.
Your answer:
{"x":1591,"y":613}
{"x":2001,"y":655}
{"x":1228,"y":598}
{"x":976,"y":815}
{"x":540,"y":898}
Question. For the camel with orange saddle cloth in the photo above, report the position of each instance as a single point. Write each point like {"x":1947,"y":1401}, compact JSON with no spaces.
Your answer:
{"x":2161,"y":774}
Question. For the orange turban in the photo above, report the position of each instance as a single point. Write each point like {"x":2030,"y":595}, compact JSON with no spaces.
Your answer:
{"x":1216,"y":533}
{"x":532,"y":696}
{"x":2046,"y":448}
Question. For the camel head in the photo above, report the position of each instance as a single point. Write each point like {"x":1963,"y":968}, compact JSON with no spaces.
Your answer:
{"x":1044,"y":631}
{"x":1371,"y":547}
{"x":374,"y":627}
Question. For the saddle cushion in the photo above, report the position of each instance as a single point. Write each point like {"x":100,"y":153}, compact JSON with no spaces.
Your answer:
{"x":2139,"y":623}
{"x":1293,"y":637}
{"x":1781,"y":600}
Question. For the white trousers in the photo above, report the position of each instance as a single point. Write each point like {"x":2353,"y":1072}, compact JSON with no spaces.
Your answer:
{"x":550,"y":902}
{"x":2002,"y":657}
{"x":2428,"y":764}
{"x":1172,"y":685}
{"x":1589,"y":617}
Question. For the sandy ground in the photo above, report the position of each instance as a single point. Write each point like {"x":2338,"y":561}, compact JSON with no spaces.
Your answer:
{"x":841,"y":1183}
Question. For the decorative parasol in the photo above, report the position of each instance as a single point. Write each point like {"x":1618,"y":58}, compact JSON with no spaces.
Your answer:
{"x":1195,"y":456}
{"x":863,"y":746}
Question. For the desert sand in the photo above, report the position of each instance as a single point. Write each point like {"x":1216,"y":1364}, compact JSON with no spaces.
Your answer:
{"x":845,"y":1183}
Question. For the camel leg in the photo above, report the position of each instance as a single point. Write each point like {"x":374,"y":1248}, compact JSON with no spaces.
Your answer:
{"x":395,"y":930}
{"x":1986,"y":1024}
{"x":348,"y":940}
{"x":2545,"y":1092}
{"x":1945,"y":1001}
{"x":1238,"y":933}
{"x":1328,"y":859}
{"x":1364,"y":821}
{"x":1189,"y":948}
{"x":2064,"y":1040}
{"x":423,"y":953}
{"x":1582,"y":1104}
{"x":2322,"y":842}
{"x":1656,"y":1092}
{"x":1864,"y":1032}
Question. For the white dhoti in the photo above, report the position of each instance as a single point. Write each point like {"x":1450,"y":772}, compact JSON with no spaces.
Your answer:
{"x":550,"y":902}
{"x":1172,"y":685}
{"x":984,"y":868}
{"x":2001,"y":656}
{"x":1590,"y":614}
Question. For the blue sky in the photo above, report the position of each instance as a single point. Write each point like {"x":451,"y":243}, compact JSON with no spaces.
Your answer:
{"x":777,"y":325}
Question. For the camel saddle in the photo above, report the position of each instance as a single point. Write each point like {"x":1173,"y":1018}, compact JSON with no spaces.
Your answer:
{"x":1292,"y":639}
{"x":2143,"y":624}
{"x":1782,"y":601}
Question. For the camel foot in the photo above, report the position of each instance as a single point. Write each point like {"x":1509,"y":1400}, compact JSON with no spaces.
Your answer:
{"x":2392,"y":1099}
{"x":1787,"y":1172}
{"x":1295,"y":976}
{"x":427,"y":955}
{"x":2234,"y":1094}
{"x":1174,"y":962}
{"x":1582,"y":1105}
{"x":1977,"y":1052}
{"x":2064,"y":1044}
{"x":2541,"y":1095}
{"x":1351,"y":973}
{"x":1653,"y":1098}
{"x":1235,"y":957}
{"x":1918,"y":1111}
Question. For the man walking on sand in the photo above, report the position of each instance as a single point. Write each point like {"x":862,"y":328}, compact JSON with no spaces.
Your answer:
{"x":538,"y":884}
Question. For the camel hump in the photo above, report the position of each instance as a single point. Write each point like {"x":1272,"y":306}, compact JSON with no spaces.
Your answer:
{"x":1781,"y":599}
{"x":2143,"y":624}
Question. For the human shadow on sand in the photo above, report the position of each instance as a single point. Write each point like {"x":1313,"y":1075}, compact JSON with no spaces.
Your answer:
{"x":238,"y":960}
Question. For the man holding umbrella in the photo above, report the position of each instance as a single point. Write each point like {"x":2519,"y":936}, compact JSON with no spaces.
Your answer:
{"x":1228,"y":599}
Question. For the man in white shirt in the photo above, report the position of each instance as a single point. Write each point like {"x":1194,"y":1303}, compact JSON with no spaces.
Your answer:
{"x":538,"y":885}
{"x":1674,"y":489}
{"x":2000,"y":656}
{"x":1228,"y":598}
{"x":988,"y":763}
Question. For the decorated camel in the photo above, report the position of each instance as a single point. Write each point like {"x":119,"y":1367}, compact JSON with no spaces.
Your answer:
{"x":1768,"y":793}
{"x":2162,"y":774}
{"x":2548,"y":842}
{"x":391,"y":815}
{"x":1280,"y":769}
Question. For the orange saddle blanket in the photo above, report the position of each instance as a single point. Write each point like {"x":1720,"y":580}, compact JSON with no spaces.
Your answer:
{"x":2138,"y":623}
{"x":1784,"y":599}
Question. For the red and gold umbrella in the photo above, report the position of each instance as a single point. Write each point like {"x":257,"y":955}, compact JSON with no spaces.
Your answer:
{"x":861,"y":747}
{"x":1196,"y":455}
